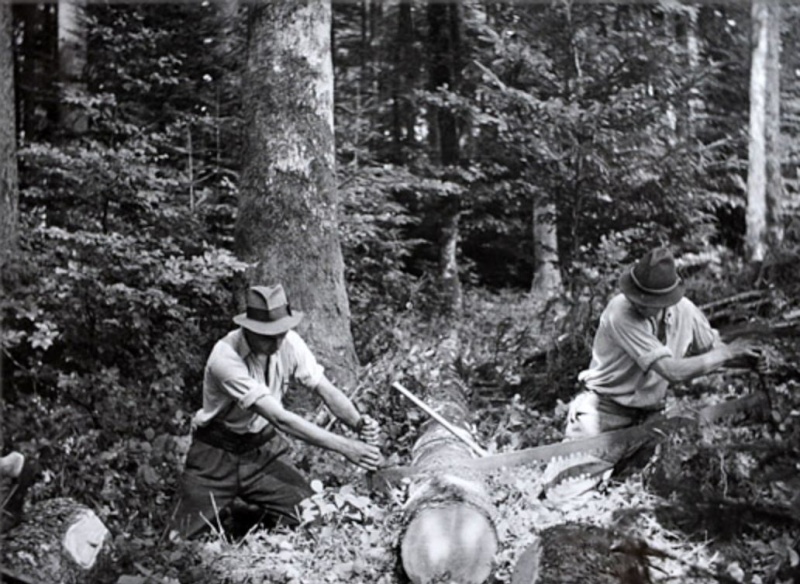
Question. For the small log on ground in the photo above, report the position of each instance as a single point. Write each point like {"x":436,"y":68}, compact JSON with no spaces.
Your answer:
{"x":448,"y":532}
{"x":59,"y":541}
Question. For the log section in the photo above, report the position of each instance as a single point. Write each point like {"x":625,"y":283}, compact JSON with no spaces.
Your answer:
{"x":60,"y":541}
{"x":448,"y":534}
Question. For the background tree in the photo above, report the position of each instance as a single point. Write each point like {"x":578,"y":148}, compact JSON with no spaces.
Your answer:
{"x":71,"y":63}
{"x":772,"y":129}
{"x":287,"y":221}
{"x":444,"y":78}
{"x":8,"y":142}
{"x":757,"y":152}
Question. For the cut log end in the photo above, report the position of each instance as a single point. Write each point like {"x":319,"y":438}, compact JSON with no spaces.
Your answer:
{"x":452,"y":544}
{"x":60,"y":540}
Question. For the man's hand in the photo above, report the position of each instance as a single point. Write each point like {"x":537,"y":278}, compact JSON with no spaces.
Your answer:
{"x":369,"y":431}
{"x":364,"y":455}
{"x":744,"y":352}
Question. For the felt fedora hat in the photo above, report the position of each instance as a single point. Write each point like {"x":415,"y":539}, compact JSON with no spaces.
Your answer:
{"x":653,"y":281}
{"x":268,"y":311}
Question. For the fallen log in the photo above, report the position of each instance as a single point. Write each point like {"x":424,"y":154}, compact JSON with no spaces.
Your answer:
{"x":581,"y":464}
{"x":60,"y":541}
{"x":448,"y":531}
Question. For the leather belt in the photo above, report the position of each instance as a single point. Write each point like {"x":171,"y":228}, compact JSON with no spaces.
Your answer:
{"x":217,"y":435}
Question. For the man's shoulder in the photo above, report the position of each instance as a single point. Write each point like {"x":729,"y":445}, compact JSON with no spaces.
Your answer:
{"x":228,"y":345}
{"x":619,"y":309}
{"x":293,"y":342}
{"x":685,"y":306}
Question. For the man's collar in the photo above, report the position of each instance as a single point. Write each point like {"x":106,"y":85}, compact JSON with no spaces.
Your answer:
{"x":242,"y":346}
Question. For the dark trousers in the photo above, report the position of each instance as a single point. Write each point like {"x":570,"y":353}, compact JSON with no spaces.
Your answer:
{"x":213,"y":477}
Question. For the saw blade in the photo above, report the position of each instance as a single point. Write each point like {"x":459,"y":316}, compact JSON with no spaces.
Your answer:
{"x":658,"y":426}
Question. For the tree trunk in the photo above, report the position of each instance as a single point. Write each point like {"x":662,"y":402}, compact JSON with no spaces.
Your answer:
{"x":36,"y":67}
{"x":448,"y":526}
{"x":59,"y":542}
{"x":8,"y":142}
{"x":444,"y":21}
{"x":764,"y":180}
{"x":772,"y":130}
{"x":755,"y":240}
{"x":448,"y":258}
{"x":403,"y":83}
{"x":287,"y":221}
{"x":695,"y":103}
{"x":71,"y":62}
{"x":547,"y":276}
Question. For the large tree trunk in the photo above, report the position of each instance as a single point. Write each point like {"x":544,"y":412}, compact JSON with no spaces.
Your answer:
{"x":8,"y":142}
{"x":287,"y":222}
{"x":71,"y":62}
{"x":449,"y":533}
{"x":59,"y":542}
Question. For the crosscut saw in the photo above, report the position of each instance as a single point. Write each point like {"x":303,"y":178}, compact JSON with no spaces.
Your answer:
{"x":757,"y":403}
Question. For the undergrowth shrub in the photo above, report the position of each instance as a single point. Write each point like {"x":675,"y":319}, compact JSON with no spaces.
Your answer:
{"x":104,"y":340}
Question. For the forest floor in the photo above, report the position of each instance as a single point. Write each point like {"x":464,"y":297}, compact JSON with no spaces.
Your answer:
{"x":717,"y":503}
{"x":713,"y":504}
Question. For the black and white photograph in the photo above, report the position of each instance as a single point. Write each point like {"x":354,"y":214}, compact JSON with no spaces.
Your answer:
{"x":399,"y":292}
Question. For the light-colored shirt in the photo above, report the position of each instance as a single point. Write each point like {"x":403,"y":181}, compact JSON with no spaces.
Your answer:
{"x":236,"y":377}
{"x":626,"y":345}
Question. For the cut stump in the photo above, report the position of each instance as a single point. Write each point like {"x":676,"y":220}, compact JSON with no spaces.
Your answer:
{"x":60,"y":541}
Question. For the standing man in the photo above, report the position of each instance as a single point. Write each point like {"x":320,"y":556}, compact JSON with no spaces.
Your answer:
{"x":649,"y":336}
{"x":237,"y":448}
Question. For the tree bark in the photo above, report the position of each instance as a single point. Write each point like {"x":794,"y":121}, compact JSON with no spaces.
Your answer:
{"x":695,"y":102}
{"x":287,"y":221}
{"x":71,"y":62}
{"x":755,"y":240}
{"x":37,"y":65}
{"x":448,"y":258}
{"x":8,"y":143}
{"x":59,"y":542}
{"x":448,"y":526}
{"x":547,"y":276}
{"x":772,"y":130}
{"x":444,"y":21}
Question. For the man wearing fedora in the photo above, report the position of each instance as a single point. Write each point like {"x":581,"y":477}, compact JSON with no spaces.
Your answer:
{"x":237,"y":446}
{"x":649,"y":335}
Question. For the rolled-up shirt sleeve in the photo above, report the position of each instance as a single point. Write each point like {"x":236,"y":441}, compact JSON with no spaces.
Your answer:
{"x":302,"y":364}
{"x":232,"y":377}
{"x":638,"y":342}
{"x":704,"y":336}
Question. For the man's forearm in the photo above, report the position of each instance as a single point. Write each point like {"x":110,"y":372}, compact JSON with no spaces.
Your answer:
{"x":339,"y":404}
{"x":297,"y":426}
{"x":677,"y":370}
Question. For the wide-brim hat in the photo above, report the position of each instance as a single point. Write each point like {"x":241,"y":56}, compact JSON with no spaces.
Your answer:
{"x":268,"y":311}
{"x":653,"y":281}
